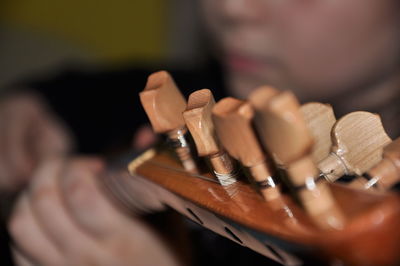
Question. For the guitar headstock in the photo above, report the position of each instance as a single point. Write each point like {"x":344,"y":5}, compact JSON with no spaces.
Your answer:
{"x":281,"y":225}
{"x":333,"y":221}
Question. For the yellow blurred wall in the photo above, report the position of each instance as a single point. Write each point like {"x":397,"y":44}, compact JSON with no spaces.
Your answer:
{"x":112,"y":30}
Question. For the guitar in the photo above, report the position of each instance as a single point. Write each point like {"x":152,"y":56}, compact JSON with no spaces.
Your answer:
{"x":364,"y":231}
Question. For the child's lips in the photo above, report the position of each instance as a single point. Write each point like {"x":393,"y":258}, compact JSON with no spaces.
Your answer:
{"x":248,"y":64}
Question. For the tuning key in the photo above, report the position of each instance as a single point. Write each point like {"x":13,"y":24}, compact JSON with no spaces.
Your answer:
{"x":199,"y":122}
{"x":358,"y":139}
{"x":386,"y":173}
{"x":233,"y":122}
{"x":320,"y":119}
{"x":164,"y":104}
{"x":284,"y":132}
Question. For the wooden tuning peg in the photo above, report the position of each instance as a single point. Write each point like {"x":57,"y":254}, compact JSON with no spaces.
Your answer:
{"x":164,"y":104}
{"x":199,"y":122}
{"x":320,"y":120}
{"x":233,"y":123}
{"x":358,"y":139}
{"x":386,"y":173}
{"x":284,"y":132}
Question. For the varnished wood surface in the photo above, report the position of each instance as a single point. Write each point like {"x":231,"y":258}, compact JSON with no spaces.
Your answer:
{"x":238,"y":202}
{"x":370,"y":237}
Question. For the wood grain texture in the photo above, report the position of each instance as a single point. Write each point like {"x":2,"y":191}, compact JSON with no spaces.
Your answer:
{"x":320,"y":119}
{"x":358,"y":139}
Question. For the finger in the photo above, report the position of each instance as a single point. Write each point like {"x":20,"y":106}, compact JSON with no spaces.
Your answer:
{"x":87,"y":203}
{"x":49,"y":210}
{"x":29,"y":237}
{"x":22,"y":122}
{"x":10,"y":167}
{"x":15,"y":155}
{"x":121,"y":241}
{"x":51,"y":139}
{"x":29,"y":133}
{"x":123,"y":238}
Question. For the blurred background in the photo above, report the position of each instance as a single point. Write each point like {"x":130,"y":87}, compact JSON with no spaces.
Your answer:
{"x":44,"y":37}
{"x":95,"y":55}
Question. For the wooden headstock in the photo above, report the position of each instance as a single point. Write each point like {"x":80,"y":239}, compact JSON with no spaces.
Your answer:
{"x":277,"y":229}
{"x":366,"y":224}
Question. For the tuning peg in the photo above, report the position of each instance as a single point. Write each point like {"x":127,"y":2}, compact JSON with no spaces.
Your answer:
{"x":164,"y":104}
{"x":284,"y":132}
{"x":199,"y":122}
{"x":358,"y":139}
{"x":386,"y":173}
{"x":320,"y":119}
{"x":233,"y":123}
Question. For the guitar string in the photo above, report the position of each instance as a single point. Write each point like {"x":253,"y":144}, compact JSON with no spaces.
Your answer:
{"x":202,"y":177}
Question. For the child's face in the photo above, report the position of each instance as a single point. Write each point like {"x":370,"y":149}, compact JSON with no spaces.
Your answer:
{"x":318,"y":48}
